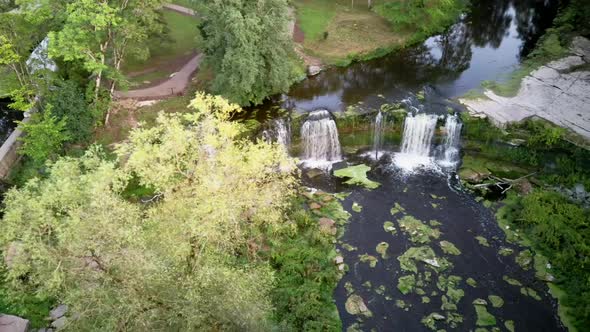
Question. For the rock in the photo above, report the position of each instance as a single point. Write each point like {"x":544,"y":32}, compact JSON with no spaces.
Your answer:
{"x":473,"y":176}
{"x":312,"y":173}
{"x":314,"y":206}
{"x":339,"y":260}
{"x":59,"y":323}
{"x":313,"y":70}
{"x":9,"y":323}
{"x":581,"y":46}
{"x":327,"y":226}
{"x":58,"y":312}
{"x":580,"y":191}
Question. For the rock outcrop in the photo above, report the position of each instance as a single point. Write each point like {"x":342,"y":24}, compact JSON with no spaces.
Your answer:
{"x":9,"y":323}
{"x":558,"y":92}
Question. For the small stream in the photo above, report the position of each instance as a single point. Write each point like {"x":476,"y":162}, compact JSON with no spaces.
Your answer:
{"x":415,"y":168}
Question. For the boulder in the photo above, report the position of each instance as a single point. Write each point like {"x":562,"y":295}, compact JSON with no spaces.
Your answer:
{"x":9,"y":323}
{"x":327,"y":226}
{"x":58,"y":312}
{"x":315,"y":206}
{"x":313,"y":70}
{"x":581,"y":46}
{"x":59,"y":323}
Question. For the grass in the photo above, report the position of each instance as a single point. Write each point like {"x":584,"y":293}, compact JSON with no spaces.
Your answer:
{"x":181,"y":40}
{"x":352,"y":32}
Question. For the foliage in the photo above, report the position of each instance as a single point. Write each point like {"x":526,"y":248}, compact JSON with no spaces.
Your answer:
{"x":249,"y":48}
{"x":357,"y":175}
{"x":425,"y":16}
{"x":193,"y":258}
{"x":67,"y":102}
{"x":559,"y":231}
{"x":45,"y":136}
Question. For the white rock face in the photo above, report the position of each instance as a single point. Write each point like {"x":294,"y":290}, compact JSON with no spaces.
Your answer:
{"x":9,"y":323}
{"x":558,"y":92}
{"x":313,"y":70}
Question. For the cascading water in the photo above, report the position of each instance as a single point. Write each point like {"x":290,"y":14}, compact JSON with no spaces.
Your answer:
{"x":416,"y":143}
{"x":378,"y":134}
{"x":452,"y":139}
{"x":279,"y":131}
{"x":319,"y":136}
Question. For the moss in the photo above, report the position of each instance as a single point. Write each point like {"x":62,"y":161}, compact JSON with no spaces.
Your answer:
{"x":357,"y":175}
{"x":389,"y":227}
{"x":382,"y":249}
{"x":505,"y":251}
{"x":349,"y":288}
{"x":402,"y":304}
{"x":422,"y":254}
{"x":430,"y":320}
{"x":356,"y":207}
{"x":509,"y":324}
{"x":434,"y":223}
{"x":471,"y":282}
{"x":381,"y":290}
{"x":449,"y":248}
{"x":342,"y":196}
{"x":349,"y":247}
{"x":406,"y":284}
{"x":367,"y":284}
{"x":524,"y":259}
{"x":482,"y":241}
{"x":397,"y":208}
{"x":417,"y":230}
{"x":496,"y":301}
{"x":511,"y":281}
{"x":484,"y":318}
{"x":372,"y":260}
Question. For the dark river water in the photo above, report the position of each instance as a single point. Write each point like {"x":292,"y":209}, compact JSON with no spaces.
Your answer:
{"x":487,"y":43}
{"x":7,"y":118}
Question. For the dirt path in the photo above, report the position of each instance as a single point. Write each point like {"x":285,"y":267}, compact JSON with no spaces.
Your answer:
{"x":176,"y":84}
{"x":299,"y":37}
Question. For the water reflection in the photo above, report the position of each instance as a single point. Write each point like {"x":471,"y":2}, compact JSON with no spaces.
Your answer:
{"x":488,"y":42}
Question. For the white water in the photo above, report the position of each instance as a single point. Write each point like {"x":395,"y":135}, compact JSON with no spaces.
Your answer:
{"x":378,"y":135}
{"x":279,"y":132}
{"x":417,"y":141}
{"x":452,"y":140}
{"x":319,"y":136}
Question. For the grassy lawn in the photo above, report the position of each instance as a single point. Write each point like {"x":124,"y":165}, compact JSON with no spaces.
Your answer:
{"x":352,"y":32}
{"x":167,"y":52}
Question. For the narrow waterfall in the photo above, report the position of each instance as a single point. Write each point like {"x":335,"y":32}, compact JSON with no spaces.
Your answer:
{"x":319,"y":136}
{"x":378,"y":134}
{"x":279,"y":131}
{"x":418,"y":133}
{"x":452,"y":139}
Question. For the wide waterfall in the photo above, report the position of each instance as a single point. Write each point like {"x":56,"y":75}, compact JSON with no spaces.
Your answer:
{"x":452,"y":130}
{"x":417,"y":140}
{"x":278,"y":131}
{"x":319,"y":136}
{"x":378,"y":135}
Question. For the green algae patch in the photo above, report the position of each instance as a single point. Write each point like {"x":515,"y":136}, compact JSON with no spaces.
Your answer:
{"x":524,"y":259}
{"x":471,"y":282}
{"x":484,"y":318}
{"x":356,"y":306}
{"x":342,"y":196}
{"x":402,"y":305}
{"x":357,"y":175}
{"x":356,"y":207}
{"x":380,"y":290}
{"x":509,"y":324}
{"x":382,"y":249}
{"x":541,"y":264}
{"x":422,"y":254}
{"x":366,"y":258}
{"x":505,"y":251}
{"x":406,"y":284}
{"x":349,"y":247}
{"x":434,"y":205}
{"x":356,"y":327}
{"x":389,"y":227}
{"x":496,"y":301}
{"x":425,"y":299}
{"x":417,"y":230}
{"x":334,"y":211}
{"x":431,"y":320}
{"x":397,"y":209}
{"x":434,"y":223}
{"x":511,"y":281}
{"x":449,"y":248}
{"x":367,"y":284}
{"x":482,"y":241}
{"x":530,"y":292}
{"x":349,"y":288}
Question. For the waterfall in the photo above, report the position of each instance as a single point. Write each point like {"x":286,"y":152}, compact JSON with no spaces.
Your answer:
{"x":278,"y":131}
{"x":378,"y":134}
{"x":416,"y":142}
{"x":452,"y":139}
{"x":418,"y":133}
{"x":320,"y":139}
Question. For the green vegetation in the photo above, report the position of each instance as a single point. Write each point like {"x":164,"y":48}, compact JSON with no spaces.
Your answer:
{"x":496,"y":301}
{"x":417,"y":230}
{"x":484,"y":318}
{"x":357,"y":175}
{"x":249,"y":49}
{"x":449,"y":248}
{"x":406,"y":284}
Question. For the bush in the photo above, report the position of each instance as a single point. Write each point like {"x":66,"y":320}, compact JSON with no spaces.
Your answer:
{"x":45,"y":135}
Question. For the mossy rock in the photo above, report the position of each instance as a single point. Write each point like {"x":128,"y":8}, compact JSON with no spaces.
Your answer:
{"x":505,"y":251}
{"x":496,"y":301}
{"x":509,"y":324}
{"x":366,"y":258}
{"x":389,"y":227}
{"x":356,"y":306}
{"x":356,"y":207}
{"x":524,"y":259}
{"x":357,"y":175}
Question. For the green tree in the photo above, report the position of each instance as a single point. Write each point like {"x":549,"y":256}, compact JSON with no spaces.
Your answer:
{"x":191,"y":259}
{"x":45,"y":135}
{"x":249,"y":49}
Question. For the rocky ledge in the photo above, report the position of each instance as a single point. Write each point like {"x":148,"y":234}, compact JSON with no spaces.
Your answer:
{"x":558,"y":92}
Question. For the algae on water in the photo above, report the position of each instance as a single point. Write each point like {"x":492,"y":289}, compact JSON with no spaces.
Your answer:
{"x":484,"y":318}
{"x":389,"y":227}
{"x":366,"y":258}
{"x":496,"y":301}
{"x":382,"y":249}
{"x":356,"y":207}
{"x":417,"y":230}
{"x":524,"y":259}
{"x":482,"y":241}
{"x":422,"y":254}
{"x":406,"y":284}
{"x":397,"y":208}
{"x":357,"y":175}
{"x":449,"y":248}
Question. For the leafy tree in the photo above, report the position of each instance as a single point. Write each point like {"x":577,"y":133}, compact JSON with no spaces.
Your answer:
{"x":189,"y":260}
{"x":249,"y":48}
{"x":45,"y":135}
